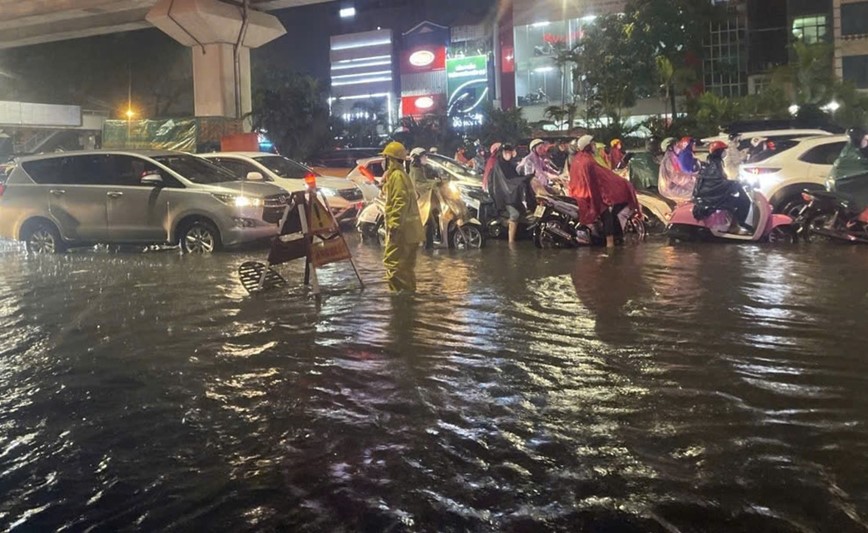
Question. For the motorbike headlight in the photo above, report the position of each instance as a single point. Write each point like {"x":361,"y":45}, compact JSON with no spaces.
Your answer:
{"x":328,"y":192}
{"x":239,"y":200}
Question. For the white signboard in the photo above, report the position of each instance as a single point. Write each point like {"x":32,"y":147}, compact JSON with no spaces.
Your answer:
{"x":25,"y":114}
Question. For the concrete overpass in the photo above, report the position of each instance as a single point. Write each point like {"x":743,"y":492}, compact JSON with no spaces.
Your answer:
{"x":220,"y":33}
{"x":27,"y":22}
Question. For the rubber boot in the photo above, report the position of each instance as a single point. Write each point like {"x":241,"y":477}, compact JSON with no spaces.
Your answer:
{"x":512,"y":229}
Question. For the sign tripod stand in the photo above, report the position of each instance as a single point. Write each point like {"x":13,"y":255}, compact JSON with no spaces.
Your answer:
{"x":308,"y":230}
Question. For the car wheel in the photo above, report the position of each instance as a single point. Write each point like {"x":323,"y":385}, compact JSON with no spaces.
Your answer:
{"x":200,"y":237}
{"x":468,"y":237}
{"x":43,"y":238}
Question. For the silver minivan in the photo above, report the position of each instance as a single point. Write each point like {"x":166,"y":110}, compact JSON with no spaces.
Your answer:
{"x":55,"y":201}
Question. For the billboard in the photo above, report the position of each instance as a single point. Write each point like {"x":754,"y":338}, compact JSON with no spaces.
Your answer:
{"x":420,"y":105}
{"x":467,"y":84}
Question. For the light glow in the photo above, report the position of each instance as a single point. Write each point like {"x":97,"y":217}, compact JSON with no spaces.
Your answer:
{"x":347,"y":12}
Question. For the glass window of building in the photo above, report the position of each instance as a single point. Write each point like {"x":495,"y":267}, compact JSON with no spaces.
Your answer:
{"x":854,"y":18}
{"x":811,"y":30}
{"x":856,"y":70}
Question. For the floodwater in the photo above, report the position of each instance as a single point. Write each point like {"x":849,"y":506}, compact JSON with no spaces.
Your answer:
{"x":651,"y":388}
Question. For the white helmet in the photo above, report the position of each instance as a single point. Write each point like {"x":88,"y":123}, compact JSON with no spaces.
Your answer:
{"x":584,"y":141}
{"x":534,"y":143}
{"x":417,"y":152}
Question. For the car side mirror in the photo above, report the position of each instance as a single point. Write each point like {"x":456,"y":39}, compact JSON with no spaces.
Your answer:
{"x":153,"y":179}
{"x":255,"y":176}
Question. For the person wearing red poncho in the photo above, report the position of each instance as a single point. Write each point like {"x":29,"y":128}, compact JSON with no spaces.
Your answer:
{"x":599,"y":192}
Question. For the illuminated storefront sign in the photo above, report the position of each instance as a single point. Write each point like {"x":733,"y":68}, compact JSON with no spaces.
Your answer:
{"x":467,"y":85}
{"x":422,"y":58}
{"x":416,"y":106}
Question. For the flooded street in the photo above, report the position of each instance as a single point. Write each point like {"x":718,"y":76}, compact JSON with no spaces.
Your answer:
{"x":651,"y":388}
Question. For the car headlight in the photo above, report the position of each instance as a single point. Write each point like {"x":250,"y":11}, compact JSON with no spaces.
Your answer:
{"x":328,"y":192}
{"x":239,"y":200}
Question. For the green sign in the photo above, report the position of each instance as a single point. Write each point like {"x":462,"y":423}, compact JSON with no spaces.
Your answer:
{"x":466,"y":83}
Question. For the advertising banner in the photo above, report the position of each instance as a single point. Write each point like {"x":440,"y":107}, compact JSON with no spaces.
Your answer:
{"x":467,"y":84}
{"x":424,"y":104}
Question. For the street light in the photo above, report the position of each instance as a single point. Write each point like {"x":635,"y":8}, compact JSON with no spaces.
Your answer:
{"x":130,"y":114}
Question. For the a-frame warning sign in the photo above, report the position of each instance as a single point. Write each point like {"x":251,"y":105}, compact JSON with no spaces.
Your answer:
{"x":307,"y":230}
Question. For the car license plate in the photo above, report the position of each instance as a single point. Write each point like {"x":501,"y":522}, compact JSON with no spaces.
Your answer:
{"x":538,"y":212}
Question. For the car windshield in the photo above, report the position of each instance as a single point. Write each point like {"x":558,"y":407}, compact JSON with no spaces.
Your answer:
{"x":196,"y":169}
{"x":285,"y":168}
{"x":452,"y":168}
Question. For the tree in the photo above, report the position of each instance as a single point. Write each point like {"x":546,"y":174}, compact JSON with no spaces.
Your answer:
{"x":508,"y":125}
{"x":562,"y":115}
{"x":292,"y":110}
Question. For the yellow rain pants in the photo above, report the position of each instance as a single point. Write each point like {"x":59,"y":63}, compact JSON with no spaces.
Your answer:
{"x":403,"y":229}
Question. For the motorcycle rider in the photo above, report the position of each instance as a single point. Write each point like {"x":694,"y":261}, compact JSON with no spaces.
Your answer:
{"x":559,"y":154}
{"x":677,"y":177}
{"x":616,"y":154}
{"x":714,"y":191}
{"x":601,"y":156}
{"x":461,"y":156}
{"x":404,"y":229}
{"x":599,"y":192}
{"x":733,"y":157}
{"x":417,"y":166}
{"x":644,"y":167}
{"x":489,"y":164}
{"x":478,"y":161}
{"x":853,"y":161}
{"x":537,"y":164}
{"x":506,"y":187}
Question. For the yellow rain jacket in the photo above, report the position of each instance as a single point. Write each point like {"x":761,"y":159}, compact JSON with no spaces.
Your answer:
{"x":403,"y":229}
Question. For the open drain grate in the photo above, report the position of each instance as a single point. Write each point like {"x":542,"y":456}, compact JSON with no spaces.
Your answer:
{"x":251,"y":273}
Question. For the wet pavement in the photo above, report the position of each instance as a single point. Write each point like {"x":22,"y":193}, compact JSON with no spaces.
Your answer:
{"x":652,"y":388}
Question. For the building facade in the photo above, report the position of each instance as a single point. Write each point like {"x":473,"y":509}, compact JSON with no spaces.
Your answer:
{"x":362,"y":75}
{"x":851,"y":41}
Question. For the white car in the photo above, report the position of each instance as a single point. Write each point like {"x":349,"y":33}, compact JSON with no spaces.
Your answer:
{"x":368,"y":173}
{"x":775,"y":136}
{"x":796,"y":165}
{"x":344,"y":198}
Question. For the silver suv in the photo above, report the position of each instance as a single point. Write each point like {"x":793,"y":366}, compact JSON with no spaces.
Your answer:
{"x":55,"y":201}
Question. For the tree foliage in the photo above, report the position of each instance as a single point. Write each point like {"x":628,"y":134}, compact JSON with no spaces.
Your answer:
{"x":293,"y":111}
{"x":508,"y":125}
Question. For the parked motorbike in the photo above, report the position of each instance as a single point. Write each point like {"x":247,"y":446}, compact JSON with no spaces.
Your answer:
{"x":656,"y":211}
{"x":558,"y":225}
{"x":448,"y":221}
{"x":768,"y":227}
{"x":833,"y":216}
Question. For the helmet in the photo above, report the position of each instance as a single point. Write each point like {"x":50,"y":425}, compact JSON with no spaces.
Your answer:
{"x":667,"y":143}
{"x":534,"y":143}
{"x":495,"y":147}
{"x":734,"y":136}
{"x":716,"y":145}
{"x":395,"y":150}
{"x":615,"y":142}
{"x":433,"y":150}
{"x":584,"y":141}
{"x":417,"y":152}
{"x":684,"y":142}
{"x":856,"y":135}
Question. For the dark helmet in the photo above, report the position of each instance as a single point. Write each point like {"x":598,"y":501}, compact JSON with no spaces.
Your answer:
{"x":856,"y":135}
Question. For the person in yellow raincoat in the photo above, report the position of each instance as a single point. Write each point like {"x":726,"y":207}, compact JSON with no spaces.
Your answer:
{"x":404,"y":229}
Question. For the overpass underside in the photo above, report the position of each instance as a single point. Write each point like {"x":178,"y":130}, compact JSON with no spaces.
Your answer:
{"x":220,"y":34}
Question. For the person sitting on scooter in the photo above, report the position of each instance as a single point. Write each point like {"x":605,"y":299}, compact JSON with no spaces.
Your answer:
{"x":538,"y":165}
{"x":616,"y":154}
{"x":714,"y":191}
{"x":677,"y":170}
{"x":599,"y":192}
{"x":417,"y":166}
{"x":506,"y":187}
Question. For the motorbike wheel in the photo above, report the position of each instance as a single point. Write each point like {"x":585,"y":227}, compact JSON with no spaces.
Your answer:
{"x":496,"y":230}
{"x":653,"y":224}
{"x":782,"y":235}
{"x":810,"y":229}
{"x":635,"y":231}
{"x":469,"y":237}
{"x":542,"y":238}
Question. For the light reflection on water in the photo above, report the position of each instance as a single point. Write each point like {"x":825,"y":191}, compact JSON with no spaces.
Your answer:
{"x":648,"y":388}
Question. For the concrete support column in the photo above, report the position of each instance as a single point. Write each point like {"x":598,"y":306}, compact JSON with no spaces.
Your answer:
{"x":219,"y":34}
{"x":214,"y":84}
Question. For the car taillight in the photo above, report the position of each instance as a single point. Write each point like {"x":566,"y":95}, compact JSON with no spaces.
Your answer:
{"x":758,"y":171}
{"x":369,"y":176}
